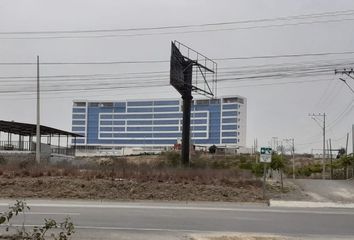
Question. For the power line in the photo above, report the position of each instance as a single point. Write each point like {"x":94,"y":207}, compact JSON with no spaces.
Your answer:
{"x":285,"y":56}
{"x":167,"y":61}
{"x":286,"y":18}
{"x":174,"y":33}
{"x":114,"y":86}
{"x":288,"y":67}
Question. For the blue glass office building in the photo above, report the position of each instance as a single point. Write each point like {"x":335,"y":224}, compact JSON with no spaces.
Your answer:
{"x":153,"y":122}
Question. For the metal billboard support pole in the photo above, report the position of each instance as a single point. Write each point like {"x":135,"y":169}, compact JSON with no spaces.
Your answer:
{"x":38,"y":129}
{"x":187,"y":106}
{"x":187,"y":102}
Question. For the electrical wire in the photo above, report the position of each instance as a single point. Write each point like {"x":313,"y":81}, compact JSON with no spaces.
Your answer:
{"x":287,"y":18}
{"x":181,"y":32}
{"x":167,"y":61}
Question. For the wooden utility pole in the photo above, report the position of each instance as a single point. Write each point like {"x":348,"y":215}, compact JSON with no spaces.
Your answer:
{"x":293,"y":152}
{"x":323,"y":126}
{"x":38,"y":129}
{"x":330,"y":148}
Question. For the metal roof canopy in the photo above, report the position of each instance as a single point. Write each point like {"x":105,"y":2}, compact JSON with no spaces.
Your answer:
{"x":27,"y":129}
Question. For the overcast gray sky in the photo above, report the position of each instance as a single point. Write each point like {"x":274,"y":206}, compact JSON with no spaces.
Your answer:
{"x":279,"y":109}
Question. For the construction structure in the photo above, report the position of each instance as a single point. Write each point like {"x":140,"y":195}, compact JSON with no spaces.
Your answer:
{"x":17,"y":137}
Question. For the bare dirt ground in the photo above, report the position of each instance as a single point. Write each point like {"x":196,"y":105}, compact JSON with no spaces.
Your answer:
{"x":245,"y":238}
{"x":120,"y":189}
{"x":240,"y":237}
{"x":327,"y":190}
{"x":291,"y":191}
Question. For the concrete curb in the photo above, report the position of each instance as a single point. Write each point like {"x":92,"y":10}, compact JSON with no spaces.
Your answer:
{"x":309,"y":204}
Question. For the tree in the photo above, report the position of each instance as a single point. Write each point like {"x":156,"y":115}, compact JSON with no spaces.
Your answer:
{"x":277,"y":163}
{"x":341,"y":152}
{"x":55,"y":230}
{"x":346,"y":161}
{"x":212,"y":149}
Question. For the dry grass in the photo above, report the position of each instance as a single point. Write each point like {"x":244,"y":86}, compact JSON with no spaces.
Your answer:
{"x":121,"y":168}
{"x":124,"y":180}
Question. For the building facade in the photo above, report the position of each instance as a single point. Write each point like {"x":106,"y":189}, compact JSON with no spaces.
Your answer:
{"x":220,"y":121}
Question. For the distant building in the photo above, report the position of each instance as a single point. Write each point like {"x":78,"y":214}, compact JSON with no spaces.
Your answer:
{"x":157,"y":123}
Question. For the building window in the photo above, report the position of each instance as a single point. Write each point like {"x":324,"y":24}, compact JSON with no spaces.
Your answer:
{"x":78,"y":122}
{"x":230,"y":106}
{"x":106,"y":104}
{"x":119,"y":129}
{"x":78,"y":129}
{"x":230,"y":140}
{"x":139,"y":123}
{"x":93,"y":104}
{"x":79,"y":110}
{"x":162,"y":103}
{"x":141,"y":104}
{"x":214,"y":101}
{"x":79,"y":104}
{"x":106,"y":123}
{"x":139,"y":109}
{"x":139,"y":129}
{"x":166,"y":109}
{"x":229,"y":120}
{"x":229,"y":114}
{"x":106,"y":129}
{"x":229,"y":134}
{"x":166,"y":122}
{"x":229,"y":127}
{"x":202,"y":102}
{"x":233,"y":100}
{"x":79,"y":116}
{"x":161,"y":129}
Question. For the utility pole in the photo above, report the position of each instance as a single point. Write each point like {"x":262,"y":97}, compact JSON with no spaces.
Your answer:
{"x":346,"y":145}
{"x":330,"y":147}
{"x":353,"y":139}
{"x":293,"y":150}
{"x":323,"y":126}
{"x":290,"y":145}
{"x":348,"y":72}
{"x":38,"y":129}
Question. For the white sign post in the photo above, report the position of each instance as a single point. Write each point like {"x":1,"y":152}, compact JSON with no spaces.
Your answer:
{"x":265,"y":157}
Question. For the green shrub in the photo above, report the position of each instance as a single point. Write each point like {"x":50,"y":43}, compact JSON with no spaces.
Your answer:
{"x":2,"y":160}
{"x":199,"y":162}
{"x":171,"y":158}
{"x":257,"y":169}
{"x":247,"y":165}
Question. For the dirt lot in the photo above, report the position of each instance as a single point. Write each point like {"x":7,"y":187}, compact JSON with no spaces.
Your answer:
{"x":119,"y":189}
{"x":240,"y":237}
{"x":244,"y":238}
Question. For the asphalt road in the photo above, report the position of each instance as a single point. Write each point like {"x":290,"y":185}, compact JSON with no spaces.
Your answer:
{"x":160,"y":220}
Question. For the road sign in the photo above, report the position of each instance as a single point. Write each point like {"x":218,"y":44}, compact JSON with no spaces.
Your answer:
{"x":266,"y":150}
{"x":266,"y":155}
